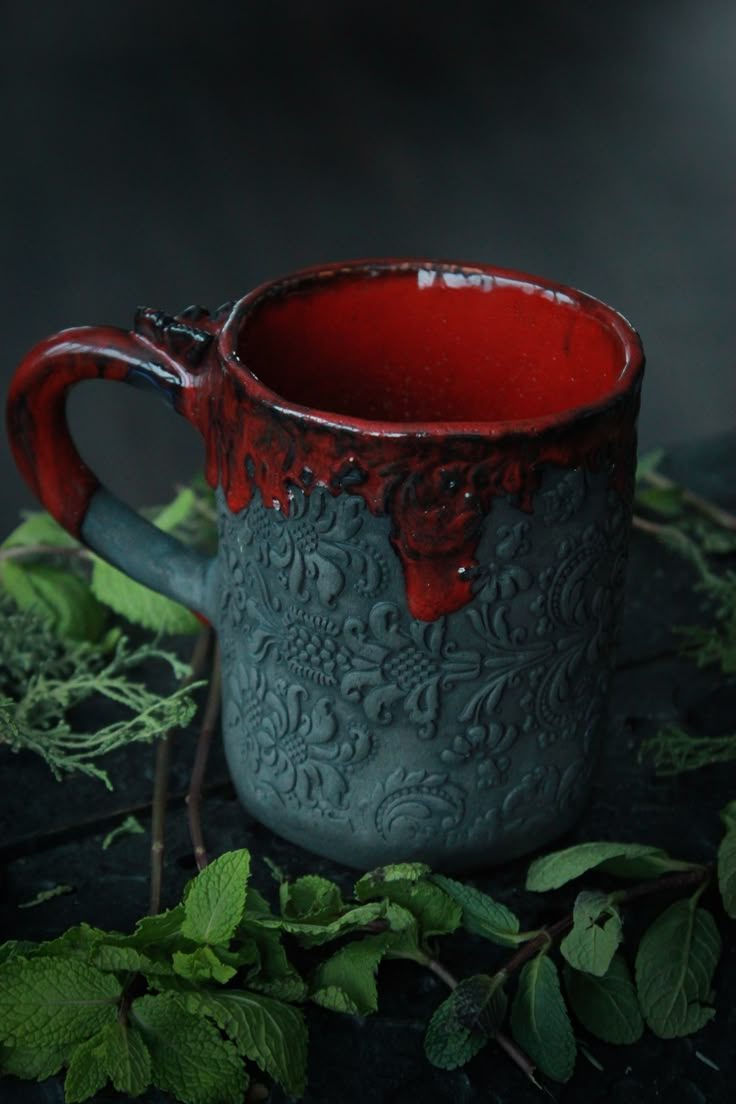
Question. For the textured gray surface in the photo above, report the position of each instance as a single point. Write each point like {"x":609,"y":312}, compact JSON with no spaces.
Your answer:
{"x":52,"y":833}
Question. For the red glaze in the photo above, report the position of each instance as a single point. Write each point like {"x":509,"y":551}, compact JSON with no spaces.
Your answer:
{"x":440,"y":387}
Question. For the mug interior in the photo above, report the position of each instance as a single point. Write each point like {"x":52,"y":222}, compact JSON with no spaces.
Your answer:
{"x":426,"y":342}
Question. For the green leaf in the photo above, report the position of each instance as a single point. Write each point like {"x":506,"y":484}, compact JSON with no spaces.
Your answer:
{"x":131,"y":826}
{"x":311,"y":900}
{"x":480,"y":1002}
{"x":606,"y":1006}
{"x":202,"y":965}
{"x":163,"y":929}
{"x":189,"y":1057}
{"x":178,"y":511}
{"x":675,"y":964}
{"x":33,"y":1063}
{"x":128,"y":1060}
{"x":39,"y":527}
{"x":313,"y":935}
{"x":666,"y":501}
{"x":87,"y":1071}
{"x":436,"y":912}
{"x":62,"y":599}
{"x":481,"y":915}
{"x":555,"y":870}
{"x":272,"y":1034}
{"x":727,"y":872}
{"x":346,"y":982}
{"x":649,"y":462}
{"x":214,"y":905}
{"x":539,"y":1020}
{"x":591,"y":944}
{"x":448,"y":1044}
{"x":256,"y":904}
{"x":45,"y":895}
{"x":728,"y":816}
{"x":138,"y":604}
{"x":274,"y":974}
{"x":53,"y":1001}
{"x":372,"y":883}
{"x":645,"y":866}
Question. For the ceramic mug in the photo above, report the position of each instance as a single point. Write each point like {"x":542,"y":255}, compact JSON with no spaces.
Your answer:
{"x":424,"y":478}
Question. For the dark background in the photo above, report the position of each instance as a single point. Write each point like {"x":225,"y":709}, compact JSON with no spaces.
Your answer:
{"x":167,"y":153}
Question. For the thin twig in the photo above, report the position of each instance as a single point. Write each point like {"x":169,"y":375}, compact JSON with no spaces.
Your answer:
{"x":204,"y":743}
{"x":161,"y":778}
{"x":441,"y":971}
{"x":517,"y":1055}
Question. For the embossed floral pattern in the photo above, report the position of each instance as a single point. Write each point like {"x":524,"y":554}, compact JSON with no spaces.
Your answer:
{"x":393,"y":665}
{"x":486,"y":745}
{"x":415,"y":805}
{"x":303,"y":754}
{"x":318,"y":545}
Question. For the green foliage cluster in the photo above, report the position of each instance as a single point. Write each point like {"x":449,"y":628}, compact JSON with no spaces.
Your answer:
{"x":199,"y":998}
{"x":704,"y":535}
{"x":57,"y":650}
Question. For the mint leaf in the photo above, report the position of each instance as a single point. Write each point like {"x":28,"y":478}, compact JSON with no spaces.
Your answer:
{"x":138,"y":604}
{"x":540,"y":1022}
{"x":436,"y":913}
{"x":87,"y":1071}
{"x":311,"y":899}
{"x":53,"y":1001}
{"x":448,"y":1043}
{"x":256,"y":904}
{"x":128,"y":1060}
{"x":163,"y":929}
{"x":189,"y":1057}
{"x":481,"y":915}
{"x":270,"y":1033}
{"x":39,"y":527}
{"x":202,"y":965}
{"x":675,"y":964}
{"x":33,"y":1063}
{"x":606,"y":1006}
{"x":274,"y":973}
{"x":371,"y":884}
{"x":480,"y":1003}
{"x":665,"y":501}
{"x":728,"y":816}
{"x":62,"y":599}
{"x":313,"y":935}
{"x":727,"y":872}
{"x":555,"y":870}
{"x":645,"y":866}
{"x":595,"y":935}
{"x":346,"y":982}
{"x":45,"y":895}
{"x":649,"y":462}
{"x":214,"y":904}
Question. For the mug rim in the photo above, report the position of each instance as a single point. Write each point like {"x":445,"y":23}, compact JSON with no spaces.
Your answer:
{"x":625,"y":383}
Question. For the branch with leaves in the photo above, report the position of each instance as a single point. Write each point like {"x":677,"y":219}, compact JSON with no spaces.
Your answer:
{"x":703,"y":534}
{"x":199,"y":998}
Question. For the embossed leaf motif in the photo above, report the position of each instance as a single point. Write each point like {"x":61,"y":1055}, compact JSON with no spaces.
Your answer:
{"x":417,"y":805}
{"x":302,"y":755}
{"x":392,"y":664}
{"x":503,"y":578}
{"x":487,"y":745}
{"x":316,"y":546}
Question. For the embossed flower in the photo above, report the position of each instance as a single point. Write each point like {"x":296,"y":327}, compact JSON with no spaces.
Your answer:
{"x":244,"y":711}
{"x":411,"y":666}
{"x":316,"y":545}
{"x":487,"y":745}
{"x":504,"y":577}
{"x":302,"y":753}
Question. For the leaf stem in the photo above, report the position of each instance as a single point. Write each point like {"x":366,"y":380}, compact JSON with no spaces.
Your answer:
{"x":548,"y":936}
{"x":204,"y":743}
{"x":161,"y":778}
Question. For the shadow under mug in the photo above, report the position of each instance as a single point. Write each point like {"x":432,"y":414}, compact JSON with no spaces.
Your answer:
{"x":424,"y":478}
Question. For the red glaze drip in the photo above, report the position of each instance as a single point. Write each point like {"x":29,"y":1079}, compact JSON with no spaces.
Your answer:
{"x":436,"y":490}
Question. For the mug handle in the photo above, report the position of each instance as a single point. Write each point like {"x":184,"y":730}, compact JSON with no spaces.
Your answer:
{"x":169,"y":356}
